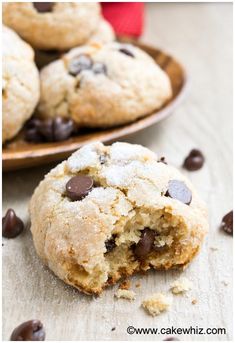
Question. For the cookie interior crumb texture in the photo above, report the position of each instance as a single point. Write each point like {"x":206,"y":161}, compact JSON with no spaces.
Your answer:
{"x":125,"y":224}
{"x":125,"y":294}
{"x":181,"y":285}
{"x":126,"y":284}
{"x":157,"y":303}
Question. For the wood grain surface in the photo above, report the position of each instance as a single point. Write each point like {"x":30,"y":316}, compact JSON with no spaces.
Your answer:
{"x":201,"y":36}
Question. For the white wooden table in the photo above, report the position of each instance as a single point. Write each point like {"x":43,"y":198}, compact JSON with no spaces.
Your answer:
{"x":199,"y":35}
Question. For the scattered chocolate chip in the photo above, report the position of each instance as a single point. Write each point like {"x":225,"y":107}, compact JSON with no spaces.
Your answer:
{"x":113,"y":329}
{"x":178,"y":190}
{"x":162,"y":160}
{"x":171,"y":339}
{"x":227,"y":223}
{"x":31,"y":131}
{"x":126,"y":52}
{"x":194,"y":160}
{"x":43,"y":7}
{"x":145,"y":244}
{"x":31,"y":330}
{"x":49,"y":130}
{"x":110,"y":244}
{"x":62,"y":128}
{"x":45,"y":128}
{"x":99,"y":68}
{"x":78,"y":187}
{"x":79,"y":63}
{"x":12,"y":225}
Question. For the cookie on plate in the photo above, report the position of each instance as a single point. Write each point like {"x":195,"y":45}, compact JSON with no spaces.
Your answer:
{"x":103,"y":85}
{"x":110,"y":211}
{"x":52,"y":25}
{"x":20,"y":84}
{"x":103,"y":34}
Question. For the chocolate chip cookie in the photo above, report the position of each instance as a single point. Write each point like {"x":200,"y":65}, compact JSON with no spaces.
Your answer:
{"x":20,"y":83}
{"x":103,"y":85}
{"x":52,"y":25}
{"x":110,"y":211}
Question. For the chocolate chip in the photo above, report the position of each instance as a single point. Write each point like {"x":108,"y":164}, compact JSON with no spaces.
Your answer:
{"x":126,"y":52}
{"x":110,"y":244}
{"x":43,"y":7}
{"x":162,"y":160}
{"x":194,"y":160}
{"x":79,"y":63}
{"x":145,"y":244}
{"x":31,"y":330}
{"x":78,"y":187}
{"x":31,"y":131}
{"x":178,"y":190}
{"x":46,"y":129}
{"x":99,"y":68}
{"x":50,"y":130}
{"x":62,"y":128}
{"x":113,"y":329}
{"x":227,"y":223}
{"x":12,"y":225}
{"x":103,"y":159}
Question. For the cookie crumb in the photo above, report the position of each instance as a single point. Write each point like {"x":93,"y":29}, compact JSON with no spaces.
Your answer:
{"x":137,"y":285}
{"x":113,"y":329}
{"x":125,"y":294}
{"x":126,"y":284}
{"x":194,"y":301}
{"x":157,"y":303}
{"x":181,"y":285}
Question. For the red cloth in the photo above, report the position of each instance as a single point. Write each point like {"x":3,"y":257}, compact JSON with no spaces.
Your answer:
{"x":127,"y":18}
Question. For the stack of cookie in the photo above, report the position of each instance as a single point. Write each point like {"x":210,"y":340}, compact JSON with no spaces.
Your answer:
{"x":98,"y":83}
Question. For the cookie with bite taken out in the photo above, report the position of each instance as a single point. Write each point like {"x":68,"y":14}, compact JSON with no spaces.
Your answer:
{"x":111,"y":211}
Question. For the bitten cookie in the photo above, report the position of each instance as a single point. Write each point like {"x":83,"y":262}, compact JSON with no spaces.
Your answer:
{"x":52,"y":25}
{"x":20,"y":84}
{"x":110,"y":211}
{"x":103,"y":85}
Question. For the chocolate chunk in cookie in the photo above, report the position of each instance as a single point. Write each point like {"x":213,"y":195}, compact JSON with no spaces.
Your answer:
{"x":178,"y":190}
{"x":110,"y":244}
{"x":99,"y":68}
{"x":126,"y":52}
{"x":145,"y":244}
{"x":12,"y":225}
{"x":31,"y":330}
{"x":162,"y":160}
{"x":43,"y":7}
{"x":227,"y":223}
{"x":78,"y":187}
{"x":79,"y":63}
{"x":194,"y":160}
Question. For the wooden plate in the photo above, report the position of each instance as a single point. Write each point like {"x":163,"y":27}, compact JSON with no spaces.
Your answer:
{"x":20,"y":154}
